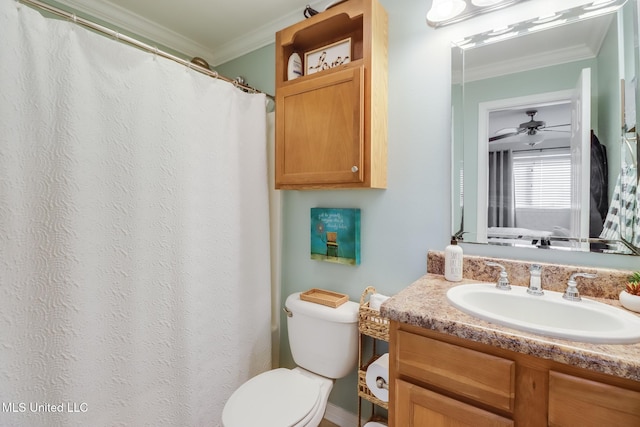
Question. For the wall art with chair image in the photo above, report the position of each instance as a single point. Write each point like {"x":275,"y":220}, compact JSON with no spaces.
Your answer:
{"x":335,"y":235}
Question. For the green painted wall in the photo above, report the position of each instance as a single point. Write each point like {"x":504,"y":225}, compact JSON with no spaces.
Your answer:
{"x":258,"y":68}
{"x":399,"y":224}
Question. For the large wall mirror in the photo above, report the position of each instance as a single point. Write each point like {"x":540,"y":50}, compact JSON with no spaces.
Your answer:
{"x":545,"y":150}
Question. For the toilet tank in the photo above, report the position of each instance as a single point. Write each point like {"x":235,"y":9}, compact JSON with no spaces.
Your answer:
{"x":322,"y":339}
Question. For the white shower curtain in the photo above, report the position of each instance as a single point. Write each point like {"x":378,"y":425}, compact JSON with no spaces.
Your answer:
{"x":134,"y":233}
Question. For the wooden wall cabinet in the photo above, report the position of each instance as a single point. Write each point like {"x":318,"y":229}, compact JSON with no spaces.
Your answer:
{"x":441,"y":380}
{"x":331,"y":126}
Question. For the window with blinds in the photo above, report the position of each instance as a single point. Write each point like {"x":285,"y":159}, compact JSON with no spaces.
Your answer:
{"x":542,"y":178}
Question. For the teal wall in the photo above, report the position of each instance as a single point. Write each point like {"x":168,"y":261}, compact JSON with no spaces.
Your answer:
{"x":399,"y":224}
{"x":258,"y":69}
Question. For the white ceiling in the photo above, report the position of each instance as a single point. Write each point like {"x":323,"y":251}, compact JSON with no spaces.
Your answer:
{"x":216,"y":30}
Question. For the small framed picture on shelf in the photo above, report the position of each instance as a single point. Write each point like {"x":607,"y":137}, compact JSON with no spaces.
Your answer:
{"x":327,"y":57}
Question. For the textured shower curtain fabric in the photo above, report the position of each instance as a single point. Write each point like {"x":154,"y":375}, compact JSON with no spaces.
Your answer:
{"x":134,"y":233}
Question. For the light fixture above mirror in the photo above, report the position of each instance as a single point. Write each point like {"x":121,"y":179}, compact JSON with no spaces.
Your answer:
{"x":443,"y":10}
{"x":485,"y":3}
{"x":541,"y":23}
{"x":446,"y":12}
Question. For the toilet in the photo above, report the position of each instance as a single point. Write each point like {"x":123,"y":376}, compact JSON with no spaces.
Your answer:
{"x":324,"y":346}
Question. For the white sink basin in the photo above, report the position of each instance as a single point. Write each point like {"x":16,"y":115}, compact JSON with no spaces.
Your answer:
{"x":549,"y":314}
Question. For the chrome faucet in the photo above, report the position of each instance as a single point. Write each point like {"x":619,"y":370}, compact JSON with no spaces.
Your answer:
{"x":572,"y":293}
{"x":503,"y":281}
{"x":535,"y":283}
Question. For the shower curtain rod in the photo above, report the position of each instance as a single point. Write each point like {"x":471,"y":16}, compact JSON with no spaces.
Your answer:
{"x":137,"y":43}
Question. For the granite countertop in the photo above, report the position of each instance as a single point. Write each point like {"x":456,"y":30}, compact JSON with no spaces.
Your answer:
{"x":424,"y":304}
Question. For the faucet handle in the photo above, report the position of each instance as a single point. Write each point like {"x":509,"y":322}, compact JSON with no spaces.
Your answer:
{"x":503,"y":281}
{"x":572,"y":293}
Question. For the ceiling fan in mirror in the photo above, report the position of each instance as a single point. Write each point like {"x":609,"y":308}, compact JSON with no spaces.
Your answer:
{"x":531,"y":132}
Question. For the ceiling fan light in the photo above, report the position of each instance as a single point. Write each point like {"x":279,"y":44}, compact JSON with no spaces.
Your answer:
{"x":485,"y":3}
{"x":531,"y":138}
{"x":442,"y":10}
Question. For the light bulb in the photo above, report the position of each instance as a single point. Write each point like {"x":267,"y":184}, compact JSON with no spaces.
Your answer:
{"x":441,"y":10}
{"x":531,"y":138}
{"x":485,"y":3}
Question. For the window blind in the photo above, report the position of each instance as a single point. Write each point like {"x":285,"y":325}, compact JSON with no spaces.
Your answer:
{"x":542,"y":178}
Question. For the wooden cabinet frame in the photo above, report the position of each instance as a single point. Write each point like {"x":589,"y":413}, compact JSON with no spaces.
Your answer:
{"x":331,"y":126}
{"x":545,"y":392}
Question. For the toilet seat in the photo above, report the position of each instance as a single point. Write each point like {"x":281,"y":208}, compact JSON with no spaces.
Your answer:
{"x":276,"y":398}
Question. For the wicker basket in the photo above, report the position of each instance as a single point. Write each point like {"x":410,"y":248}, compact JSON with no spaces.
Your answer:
{"x":373,"y":325}
{"x":370,"y":322}
{"x":363,"y":389}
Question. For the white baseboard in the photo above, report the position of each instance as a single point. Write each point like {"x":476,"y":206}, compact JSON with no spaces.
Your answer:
{"x":340,"y":416}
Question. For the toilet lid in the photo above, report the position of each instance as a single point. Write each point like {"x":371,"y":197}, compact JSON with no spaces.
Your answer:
{"x":280,"y":397}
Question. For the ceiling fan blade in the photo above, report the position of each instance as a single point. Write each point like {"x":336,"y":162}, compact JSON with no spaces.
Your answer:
{"x":503,"y":136}
{"x":555,"y":130}
{"x":506,"y":130}
{"x":556,"y":126}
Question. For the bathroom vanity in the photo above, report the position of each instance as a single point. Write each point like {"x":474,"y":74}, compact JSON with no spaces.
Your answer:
{"x":447,"y":366}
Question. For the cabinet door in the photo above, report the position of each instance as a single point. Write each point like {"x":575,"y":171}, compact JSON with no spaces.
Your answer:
{"x":576,"y":401}
{"x":482,"y":377}
{"x":419,"y":407}
{"x":320,"y":129}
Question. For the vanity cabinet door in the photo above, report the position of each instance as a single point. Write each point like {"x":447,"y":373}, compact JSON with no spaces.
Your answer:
{"x":482,"y":377}
{"x":575,"y":401}
{"x":419,"y":407}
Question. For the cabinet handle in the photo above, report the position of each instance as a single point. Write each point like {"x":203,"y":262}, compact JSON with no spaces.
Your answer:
{"x":354,"y":169}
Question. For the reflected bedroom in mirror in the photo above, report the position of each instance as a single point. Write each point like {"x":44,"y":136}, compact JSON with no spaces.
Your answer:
{"x":545,"y":150}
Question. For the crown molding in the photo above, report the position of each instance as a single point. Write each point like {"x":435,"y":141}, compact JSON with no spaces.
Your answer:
{"x":530,"y":62}
{"x":136,"y":25}
{"x":588,"y":48}
{"x":142,"y":27}
{"x":260,"y":37}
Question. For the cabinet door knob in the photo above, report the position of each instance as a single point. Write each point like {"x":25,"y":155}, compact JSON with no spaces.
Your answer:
{"x":354,"y":169}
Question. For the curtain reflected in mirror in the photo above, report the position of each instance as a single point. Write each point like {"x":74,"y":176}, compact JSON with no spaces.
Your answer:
{"x":502,"y":206}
